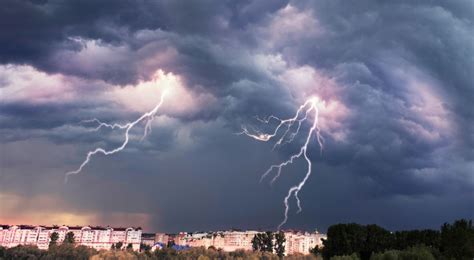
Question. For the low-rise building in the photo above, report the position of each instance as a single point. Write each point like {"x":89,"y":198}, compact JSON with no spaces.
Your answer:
{"x":162,"y":238}
{"x":148,"y":239}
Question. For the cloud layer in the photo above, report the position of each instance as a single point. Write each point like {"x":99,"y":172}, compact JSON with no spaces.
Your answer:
{"x":397,"y":116}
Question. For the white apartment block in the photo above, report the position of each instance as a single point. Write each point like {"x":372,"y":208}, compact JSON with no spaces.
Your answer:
{"x":302,"y":242}
{"x":96,"y":237}
{"x":225,"y":240}
{"x":296,"y":242}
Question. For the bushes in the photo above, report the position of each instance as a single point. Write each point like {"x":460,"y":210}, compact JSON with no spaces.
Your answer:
{"x":346,"y":257}
{"x":412,"y":253}
{"x":113,"y":255}
{"x":24,"y":252}
{"x":64,"y":251}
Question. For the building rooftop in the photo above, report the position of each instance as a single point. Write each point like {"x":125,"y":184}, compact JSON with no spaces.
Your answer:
{"x":5,"y":226}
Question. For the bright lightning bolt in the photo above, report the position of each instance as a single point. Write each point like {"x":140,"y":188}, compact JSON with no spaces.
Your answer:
{"x":304,"y":111}
{"x":147,"y":118}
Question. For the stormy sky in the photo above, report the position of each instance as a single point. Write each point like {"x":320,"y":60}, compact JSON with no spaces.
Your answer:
{"x":396,"y":113}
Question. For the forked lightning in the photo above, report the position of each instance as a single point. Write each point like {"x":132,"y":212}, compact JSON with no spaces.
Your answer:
{"x":303,"y":113}
{"x":147,"y":118}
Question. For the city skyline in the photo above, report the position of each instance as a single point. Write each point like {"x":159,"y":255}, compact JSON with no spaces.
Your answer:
{"x":168,"y":115}
{"x":105,"y":238}
{"x":24,"y":225}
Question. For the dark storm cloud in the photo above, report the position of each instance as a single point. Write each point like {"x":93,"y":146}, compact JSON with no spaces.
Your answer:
{"x":363,"y":47}
{"x":209,"y":52}
{"x":434,"y":38}
{"x":392,"y":63}
{"x":34,"y":31}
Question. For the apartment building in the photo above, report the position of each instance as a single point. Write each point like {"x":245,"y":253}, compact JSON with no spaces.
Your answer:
{"x":296,"y":242}
{"x":96,"y":237}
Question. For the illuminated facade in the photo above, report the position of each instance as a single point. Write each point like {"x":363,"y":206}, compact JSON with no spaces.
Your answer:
{"x":96,"y":237}
{"x":103,"y":238}
{"x":296,"y":242}
{"x":302,"y":242}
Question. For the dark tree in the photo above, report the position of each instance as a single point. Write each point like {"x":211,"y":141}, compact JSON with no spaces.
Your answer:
{"x":53,"y":239}
{"x":457,"y":240}
{"x":118,"y":245}
{"x":280,"y":244}
{"x":378,"y":240}
{"x":263,"y":242}
{"x":69,"y":251}
{"x":412,"y":238}
{"x":267,"y":242}
{"x":347,"y":239}
{"x":23,"y":252}
{"x":344,"y":239}
{"x":145,"y":248}
{"x":316,"y":251}
{"x":69,"y":239}
{"x":170,"y":244}
{"x":256,"y":242}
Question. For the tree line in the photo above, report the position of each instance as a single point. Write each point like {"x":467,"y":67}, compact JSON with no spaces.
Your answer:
{"x":354,"y":241}
{"x":70,"y":252}
{"x":344,"y":242}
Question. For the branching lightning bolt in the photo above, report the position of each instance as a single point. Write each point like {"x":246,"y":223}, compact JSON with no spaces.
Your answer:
{"x":302,"y":115}
{"x":146,"y":117}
